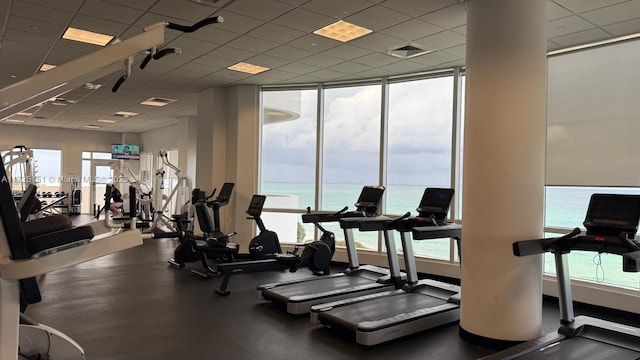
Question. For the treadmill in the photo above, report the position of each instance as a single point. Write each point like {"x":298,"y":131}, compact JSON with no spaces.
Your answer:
{"x":300,"y":295}
{"x":420,"y":304}
{"x":611,"y":223}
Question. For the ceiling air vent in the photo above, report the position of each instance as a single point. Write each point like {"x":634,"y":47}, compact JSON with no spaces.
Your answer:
{"x":407,"y":51}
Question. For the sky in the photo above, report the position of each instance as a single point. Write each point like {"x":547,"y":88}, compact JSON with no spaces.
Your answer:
{"x":419,"y":147}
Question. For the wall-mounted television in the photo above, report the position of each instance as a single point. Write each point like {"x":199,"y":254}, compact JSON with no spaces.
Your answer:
{"x":125,"y":151}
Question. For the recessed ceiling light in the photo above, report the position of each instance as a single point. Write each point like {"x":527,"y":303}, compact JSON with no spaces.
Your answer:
{"x":46,"y":67}
{"x":86,"y":36}
{"x":342,"y":31}
{"x":92,"y":126}
{"x":126,"y":114}
{"x":16,"y":121}
{"x":248,"y":68}
{"x":107,"y":121}
{"x":156,"y":101}
{"x":24,"y":114}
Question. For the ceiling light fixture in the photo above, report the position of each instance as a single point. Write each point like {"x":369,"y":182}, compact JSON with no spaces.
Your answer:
{"x":107,"y":121}
{"x":15,"y":121}
{"x":24,"y":114}
{"x":125,"y":114}
{"x":342,"y":31}
{"x":46,"y":67}
{"x":92,"y":126}
{"x":156,"y":101}
{"x":248,"y":68}
{"x":86,"y":36}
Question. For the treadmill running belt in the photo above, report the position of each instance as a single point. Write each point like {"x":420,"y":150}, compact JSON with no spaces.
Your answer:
{"x":377,"y":309}
{"x":313,"y":287}
{"x":582,"y":348}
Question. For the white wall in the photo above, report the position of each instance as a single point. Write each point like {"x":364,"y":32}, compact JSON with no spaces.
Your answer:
{"x":160,"y":139}
{"x":71,"y":142}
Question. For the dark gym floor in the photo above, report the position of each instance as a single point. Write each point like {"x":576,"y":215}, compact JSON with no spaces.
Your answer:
{"x":131,"y":305}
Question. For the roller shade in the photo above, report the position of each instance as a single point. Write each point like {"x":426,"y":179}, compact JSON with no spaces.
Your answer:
{"x":593,"y":118}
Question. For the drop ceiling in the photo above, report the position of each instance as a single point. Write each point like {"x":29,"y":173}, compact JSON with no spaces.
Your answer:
{"x":274,"y":33}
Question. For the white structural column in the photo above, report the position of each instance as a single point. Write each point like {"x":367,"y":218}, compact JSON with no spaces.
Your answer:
{"x":504,"y":164}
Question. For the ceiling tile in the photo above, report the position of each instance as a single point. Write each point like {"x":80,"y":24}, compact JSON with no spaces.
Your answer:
{"x":458,"y":51}
{"x":337,"y":9}
{"x":293,"y":2}
{"x":580,"y":38}
{"x":578,"y":6}
{"x":263,"y":9}
{"x":27,"y":38}
{"x":276,"y":33}
{"x":305,"y":79}
{"x":36,"y":27}
{"x":288,"y":52}
{"x":67,"y":5}
{"x":138,"y":4}
{"x":555,"y":11}
{"x":434,"y":58}
{"x":299,"y":68}
{"x":346,"y":52}
{"x":449,"y":17}
{"x":268,"y":61}
{"x":404,"y":67}
{"x":376,"y":60}
{"x":462,"y":30}
{"x":350,"y":67}
{"x":314,"y":43}
{"x":276,"y":74}
{"x":321,"y":60}
{"x":417,"y":8}
{"x":377,"y":18}
{"x":326,"y":74}
{"x":110,"y":12}
{"x":613,"y":14}
{"x":252,"y":44}
{"x":566,"y":26}
{"x":238,"y":23}
{"x":412,"y":29}
{"x":377,"y":42}
{"x":190,"y":11}
{"x":624,"y":28}
{"x":303,"y":20}
{"x":442,"y":40}
{"x":227,"y":52}
{"x":40,"y":13}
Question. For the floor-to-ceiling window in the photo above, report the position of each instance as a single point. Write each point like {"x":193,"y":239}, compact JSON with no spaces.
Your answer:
{"x":288,"y":159}
{"x":419,"y":148}
{"x":350,"y":149}
{"x":592,"y":131}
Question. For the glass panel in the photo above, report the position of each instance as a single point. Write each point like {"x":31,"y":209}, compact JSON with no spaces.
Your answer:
{"x":419,"y":149}
{"x":351,"y":150}
{"x":288,"y":158}
{"x":566,"y":206}
{"x":583,"y":265}
{"x":86,"y":155}
{"x":48,"y":167}
{"x":85,"y":186}
{"x":102,"y":155}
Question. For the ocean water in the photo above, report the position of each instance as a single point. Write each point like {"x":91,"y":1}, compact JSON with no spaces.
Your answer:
{"x":565,"y":208}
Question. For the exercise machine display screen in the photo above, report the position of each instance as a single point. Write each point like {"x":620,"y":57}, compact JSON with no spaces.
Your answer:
{"x":255,"y":207}
{"x":613,"y":213}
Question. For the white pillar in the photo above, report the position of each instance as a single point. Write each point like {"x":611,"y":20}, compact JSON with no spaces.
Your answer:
{"x":504,"y":164}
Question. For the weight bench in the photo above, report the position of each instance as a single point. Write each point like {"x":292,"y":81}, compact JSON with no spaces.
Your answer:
{"x":38,"y":247}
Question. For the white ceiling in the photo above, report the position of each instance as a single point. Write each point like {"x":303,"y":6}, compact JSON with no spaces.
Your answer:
{"x":273,"y":33}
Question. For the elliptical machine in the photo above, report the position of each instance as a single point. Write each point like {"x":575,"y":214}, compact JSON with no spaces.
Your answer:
{"x":316,"y":255}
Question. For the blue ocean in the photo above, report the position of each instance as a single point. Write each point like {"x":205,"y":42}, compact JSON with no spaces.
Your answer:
{"x":565,"y":208}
